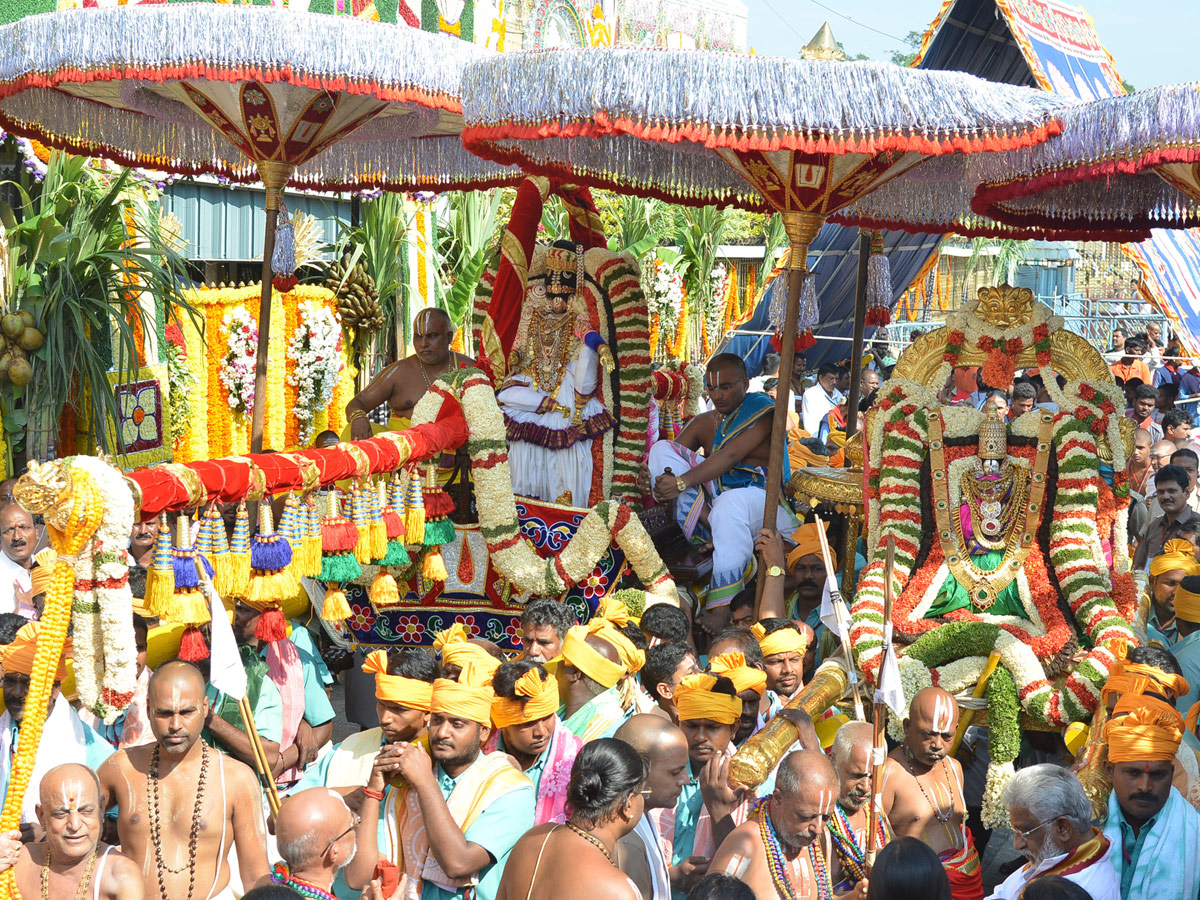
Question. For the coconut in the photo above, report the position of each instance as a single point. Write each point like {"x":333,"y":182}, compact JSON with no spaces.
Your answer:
{"x":26,"y":317}
{"x":30,"y":339}
{"x":6,"y":361}
{"x":12,"y":325}
{"x":20,"y":372}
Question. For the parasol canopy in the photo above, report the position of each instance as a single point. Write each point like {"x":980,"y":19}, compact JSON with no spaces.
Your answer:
{"x":250,"y":93}
{"x":803,"y":138}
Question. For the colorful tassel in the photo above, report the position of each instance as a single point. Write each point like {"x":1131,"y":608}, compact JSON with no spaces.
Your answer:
{"x":192,"y":647}
{"x":335,"y":609}
{"x":439,"y":532}
{"x":393,"y":522}
{"x":272,"y":626}
{"x":272,"y":580}
{"x":217,"y":550}
{"x":239,"y":553}
{"x":414,"y":511}
{"x":338,"y":534}
{"x":879,"y":284}
{"x":384,"y":591}
{"x":433,"y":566}
{"x":160,"y":578}
{"x":379,"y":535}
{"x":339,"y":567}
{"x":287,"y":521}
{"x":360,"y":511}
{"x":311,"y":556}
{"x":396,"y":555}
{"x":188,"y":604}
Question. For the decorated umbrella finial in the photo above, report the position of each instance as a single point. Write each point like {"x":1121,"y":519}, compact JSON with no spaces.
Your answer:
{"x":879,"y":283}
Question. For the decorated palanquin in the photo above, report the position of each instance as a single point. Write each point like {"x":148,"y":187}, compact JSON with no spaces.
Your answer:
{"x":1008,"y":538}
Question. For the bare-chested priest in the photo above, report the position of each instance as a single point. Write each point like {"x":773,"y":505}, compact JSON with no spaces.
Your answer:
{"x":181,"y":803}
{"x":923,"y":791}
{"x":784,"y":849}
{"x":405,"y":381}
{"x":71,"y":861}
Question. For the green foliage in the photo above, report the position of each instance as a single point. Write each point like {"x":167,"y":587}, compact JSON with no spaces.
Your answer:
{"x":1009,"y":254}
{"x":378,"y":242}
{"x":468,"y":226}
{"x":1128,"y":88}
{"x":913,"y":40}
{"x":87,"y":259}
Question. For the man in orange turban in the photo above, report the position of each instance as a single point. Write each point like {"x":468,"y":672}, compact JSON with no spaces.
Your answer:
{"x":1156,"y":829}
{"x":595,"y":659}
{"x":65,"y":737}
{"x":1167,"y":570}
{"x":525,"y":712}
{"x":1187,"y":648}
{"x":486,"y":795}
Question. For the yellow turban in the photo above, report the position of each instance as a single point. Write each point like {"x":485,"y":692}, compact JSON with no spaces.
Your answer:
{"x":18,"y":656}
{"x":411,"y":693}
{"x":733,"y":666}
{"x":1187,"y":605}
{"x":1177,"y":554}
{"x":590,"y":661}
{"x":808,"y":542}
{"x":1136,"y":678}
{"x":456,"y":650}
{"x":801,"y":456}
{"x":614,"y":610}
{"x":536,"y":699}
{"x":1143,"y":729}
{"x":785,"y":640}
{"x":468,"y":698}
{"x":694,"y":699}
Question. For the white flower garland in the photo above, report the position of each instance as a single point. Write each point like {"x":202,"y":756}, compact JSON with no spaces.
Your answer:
{"x":237,"y":369}
{"x":315,"y":348}
{"x":105,"y":650}
{"x":664,"y":296}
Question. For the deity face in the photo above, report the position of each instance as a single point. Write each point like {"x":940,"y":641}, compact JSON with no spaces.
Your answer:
{"x":706,"y":739}
{"x":399,"y":723}
{"x":432,"y":334}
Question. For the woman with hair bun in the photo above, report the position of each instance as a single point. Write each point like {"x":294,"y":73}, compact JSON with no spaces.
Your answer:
{"x":605,"y":800}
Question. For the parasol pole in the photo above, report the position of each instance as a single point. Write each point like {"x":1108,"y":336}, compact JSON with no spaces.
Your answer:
{"x":274,"y":174}
{"x":860,"y":327}
{"x":801,"y":228}
{"x":879,"y":744}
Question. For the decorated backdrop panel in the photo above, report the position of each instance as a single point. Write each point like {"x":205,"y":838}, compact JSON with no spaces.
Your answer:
{"x":474,"y":593}
{"x":215,"y":428}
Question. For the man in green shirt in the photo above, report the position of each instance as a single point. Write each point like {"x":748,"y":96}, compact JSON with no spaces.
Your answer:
{"x":588,"y":679}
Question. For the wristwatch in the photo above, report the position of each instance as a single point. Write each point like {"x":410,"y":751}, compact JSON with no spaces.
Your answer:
{"x":774,"y":572}
{"x":680,"y":484}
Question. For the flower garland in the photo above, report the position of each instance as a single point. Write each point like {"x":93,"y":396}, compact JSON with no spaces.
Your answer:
{"x":511,"y":553}
{"x":664,"y":296}
{"x":237,"y":370}
{"x":180,"y":383}
{"x":315,"y":349}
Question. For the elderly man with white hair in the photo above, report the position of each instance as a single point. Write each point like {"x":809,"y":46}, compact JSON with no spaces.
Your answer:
{"x":315,"y":831}
{"x":1052,"y":828}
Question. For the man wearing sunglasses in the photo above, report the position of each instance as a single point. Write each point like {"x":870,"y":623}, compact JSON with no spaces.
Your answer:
{"x":1052,"y":828}
{"x":315,"y":830}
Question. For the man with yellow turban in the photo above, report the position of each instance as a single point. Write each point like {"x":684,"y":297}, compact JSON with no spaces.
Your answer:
{"x":1187,"y":648}
{"x":463,"y":810}
{"x":1156,"y":830}
{"x":525,"y":713}
{"x":595,"y":658}
{"x":456,"y":647}
{"x":784,"y":648}
{"x":795,"y":578}
{"x":1167,"y":570}
{"x":750,"y":684}
{"x":403,"y":693}
{"x":65,"y":737}
{"x":707,"y":808}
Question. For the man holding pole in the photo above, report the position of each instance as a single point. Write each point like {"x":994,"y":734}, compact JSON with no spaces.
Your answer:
{"x":181,"y":804}
{"x":849,"y":823}
{"x":922,"y":790}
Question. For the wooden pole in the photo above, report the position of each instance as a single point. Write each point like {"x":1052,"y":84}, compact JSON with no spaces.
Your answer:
{"x":260,"y":756}
{"x":967,"y":716}
{"x":274,"y":175}
{"x":801,"y":228}
{"x":879,"y":746}
{"x":835,"y":598}
{"x":860,"y":327}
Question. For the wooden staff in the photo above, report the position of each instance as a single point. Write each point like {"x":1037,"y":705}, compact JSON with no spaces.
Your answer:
{"x":879,"y":745}
{"x":967,"y":716}
{"x":843,"y":620}
{"x":260,"y":755}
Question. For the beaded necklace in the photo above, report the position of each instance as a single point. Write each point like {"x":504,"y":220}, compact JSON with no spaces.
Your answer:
{"x":85,"y":882}
{"x":281,"y":875}
{"x":853,"y":856}
{"x":942,"y":817}
{"x":778,"y":865}
{"x":593,"y":840}
{"x":160,"y":865}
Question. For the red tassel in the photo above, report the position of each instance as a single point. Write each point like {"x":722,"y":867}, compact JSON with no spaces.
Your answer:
{"x":805,"y":340}
{"x":191,"y":646}
{"x":878,"y":315}
{"x":271,"y":626}
{"x":284,"y":283}
{"x":395,"y":525}
{"x":438,"y":504}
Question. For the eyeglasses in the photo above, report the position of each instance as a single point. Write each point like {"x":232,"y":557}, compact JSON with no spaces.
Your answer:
{"x":353,"y":824}
{"x":1027,"y":832}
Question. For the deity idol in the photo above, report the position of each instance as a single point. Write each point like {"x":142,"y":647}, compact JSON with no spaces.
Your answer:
{"x":551,"y":400}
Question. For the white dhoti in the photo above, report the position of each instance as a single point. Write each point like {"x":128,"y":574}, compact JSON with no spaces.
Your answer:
{"x":734,"y":518}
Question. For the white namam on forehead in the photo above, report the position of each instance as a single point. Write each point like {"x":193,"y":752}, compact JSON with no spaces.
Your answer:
{"x":943,"y":712}
{"x":69,"y":788}
{"x":825,"y":799}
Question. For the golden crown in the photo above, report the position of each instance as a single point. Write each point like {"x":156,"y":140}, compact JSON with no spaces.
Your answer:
{"x":993,"y":437}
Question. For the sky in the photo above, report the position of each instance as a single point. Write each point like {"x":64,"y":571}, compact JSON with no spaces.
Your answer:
{"x":1153,"y":41}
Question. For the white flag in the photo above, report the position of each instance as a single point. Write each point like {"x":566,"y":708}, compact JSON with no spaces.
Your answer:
{"x":226,"y":673}
{"x":829,"y":612}
{"x":889,"y":690}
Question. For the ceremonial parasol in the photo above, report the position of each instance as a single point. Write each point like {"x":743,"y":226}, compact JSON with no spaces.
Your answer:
{"x":803,"y":138}
{"x":248,"y":93}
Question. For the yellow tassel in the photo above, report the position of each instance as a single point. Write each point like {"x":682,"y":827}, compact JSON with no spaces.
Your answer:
{"x":190,"y":608}
{"x":361,"y":516}
{"x":160,"y":577}
{"x":335,"y":608}
{"x":414,"y":512}
{"x":434,"y":567}
{"x":378,"y":539}
{"x":384,"y":590}
{"x":272,"y":588}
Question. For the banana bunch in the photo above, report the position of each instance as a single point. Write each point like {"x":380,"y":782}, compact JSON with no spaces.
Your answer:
{"x":357,"y":296}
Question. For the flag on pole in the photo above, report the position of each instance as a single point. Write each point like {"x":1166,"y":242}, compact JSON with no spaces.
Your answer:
{"x":227,"y":675}
{"x":889,"y":690}
{"x":829,"y":612}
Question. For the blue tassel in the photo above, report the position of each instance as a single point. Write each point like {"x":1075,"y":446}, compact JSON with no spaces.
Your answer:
{"x":184,"y":567}
{"x":270,"y":554}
